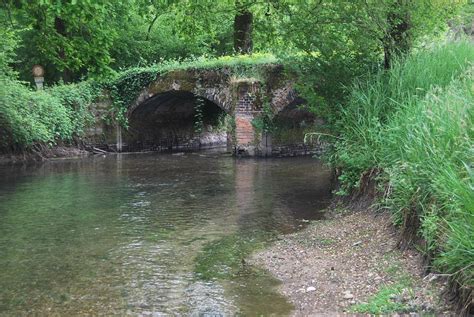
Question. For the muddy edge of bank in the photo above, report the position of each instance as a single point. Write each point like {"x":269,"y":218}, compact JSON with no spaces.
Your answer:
{"x":43,"y":154}
{"x":349,"y":263}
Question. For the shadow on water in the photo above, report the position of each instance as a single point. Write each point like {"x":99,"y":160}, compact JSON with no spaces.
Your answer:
{"x":149,"y":233}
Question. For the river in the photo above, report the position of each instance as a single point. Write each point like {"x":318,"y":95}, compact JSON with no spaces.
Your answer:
{"x":150,"y":234}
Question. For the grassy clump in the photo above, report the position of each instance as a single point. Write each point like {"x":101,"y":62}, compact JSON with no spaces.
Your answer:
{"x":392,"y":297}
{"x":415,"y":123}
{"x":383,"y":302}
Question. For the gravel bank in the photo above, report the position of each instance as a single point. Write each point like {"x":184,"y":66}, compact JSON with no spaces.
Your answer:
{"x":333,"y":265}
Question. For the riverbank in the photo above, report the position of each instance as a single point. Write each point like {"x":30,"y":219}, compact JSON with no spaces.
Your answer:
{"x":45,"y":153}
{"x":350,"y":263}
{"x":409,"y":128}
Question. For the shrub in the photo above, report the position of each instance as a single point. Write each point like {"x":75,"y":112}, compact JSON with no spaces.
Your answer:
{"x":77,"y":99}
{"x":28,"y":117}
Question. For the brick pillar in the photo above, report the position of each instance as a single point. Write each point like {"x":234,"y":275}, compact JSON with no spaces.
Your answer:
{"x":246,"y":109}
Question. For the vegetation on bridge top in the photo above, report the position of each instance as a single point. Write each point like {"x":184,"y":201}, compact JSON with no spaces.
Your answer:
{"x":235,"y":62}
{"x":240,"y":66}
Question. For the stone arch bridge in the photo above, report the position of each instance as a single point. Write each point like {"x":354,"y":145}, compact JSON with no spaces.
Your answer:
{"x":170,"y":98}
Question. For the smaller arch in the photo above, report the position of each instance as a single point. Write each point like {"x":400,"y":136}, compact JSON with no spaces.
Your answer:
{"x":284,"y":96}
{"x":296,"y":115}
{"x":290,"y":125}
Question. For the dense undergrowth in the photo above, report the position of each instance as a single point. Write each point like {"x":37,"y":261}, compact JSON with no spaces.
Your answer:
{"x":56,"y":114}
{"x":414,"y":125}
{"x":30,"y":118}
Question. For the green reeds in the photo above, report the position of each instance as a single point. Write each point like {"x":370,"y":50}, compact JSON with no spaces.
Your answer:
{"x":415,"y":123}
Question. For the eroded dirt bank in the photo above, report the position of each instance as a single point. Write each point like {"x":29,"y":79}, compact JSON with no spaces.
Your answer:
{"x":42,"y":154}
{"x":350,"y":263}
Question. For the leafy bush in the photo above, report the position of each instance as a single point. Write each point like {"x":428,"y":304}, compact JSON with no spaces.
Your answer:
{"x":55,"y":114}
{"x":77,"y":99}
{"x":28,"y":116}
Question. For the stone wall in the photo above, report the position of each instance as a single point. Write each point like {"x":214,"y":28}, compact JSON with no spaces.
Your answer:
{"x":300,"y":149}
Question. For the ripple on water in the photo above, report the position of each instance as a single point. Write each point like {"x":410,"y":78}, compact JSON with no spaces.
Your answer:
{"x":121,"y":234}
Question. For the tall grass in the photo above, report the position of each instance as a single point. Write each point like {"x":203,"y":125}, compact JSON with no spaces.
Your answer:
{"x":415,"y":123}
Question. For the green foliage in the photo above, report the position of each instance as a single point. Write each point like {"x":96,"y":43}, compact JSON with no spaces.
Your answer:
{"x":415,"y":123}
{"x":77,"y":99}
{"x":87,"y":38}
{"x":224,"y":123}
{"x":264,"y":122}
{"x":55,"y":114}
{"x":336,"y":42}
{"x":27,"y":117}
{"x":73,"y":39}
{"x":391,"y":297}
{"x":141,"y":42}
{"x":198,"y":115}
{"x":383,"y":303}
{"x":378,"y":98}
{"x":70,"y":38}
{"x":8,"y":42}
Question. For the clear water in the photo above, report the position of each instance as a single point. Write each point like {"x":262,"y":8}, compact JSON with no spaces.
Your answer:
{"x":149,"y":234}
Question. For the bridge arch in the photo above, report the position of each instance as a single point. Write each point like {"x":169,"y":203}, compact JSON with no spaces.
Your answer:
{"x":168,"y":120}
{"x":283,"y":97}
{"x":213,"y":85}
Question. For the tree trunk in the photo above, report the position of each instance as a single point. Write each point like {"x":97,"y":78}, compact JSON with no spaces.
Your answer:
{"x":243,"y":31}
{"x":397,"y":38}
{"x":60,"y":27}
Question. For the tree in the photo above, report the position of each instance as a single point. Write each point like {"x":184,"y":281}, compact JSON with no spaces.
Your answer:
{"x":74,"y":38}
{"x":228,"y":26}
{"x":243,"y":29}
{"x":401,"y":23}
{"x":397,"y":39}
{"x":71,"y":38}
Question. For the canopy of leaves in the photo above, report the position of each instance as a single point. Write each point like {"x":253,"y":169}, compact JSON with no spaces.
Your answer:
{"x":94,"y":38}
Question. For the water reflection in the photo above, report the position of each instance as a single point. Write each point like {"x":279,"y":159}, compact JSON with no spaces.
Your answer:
{"x":124,"y":234}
